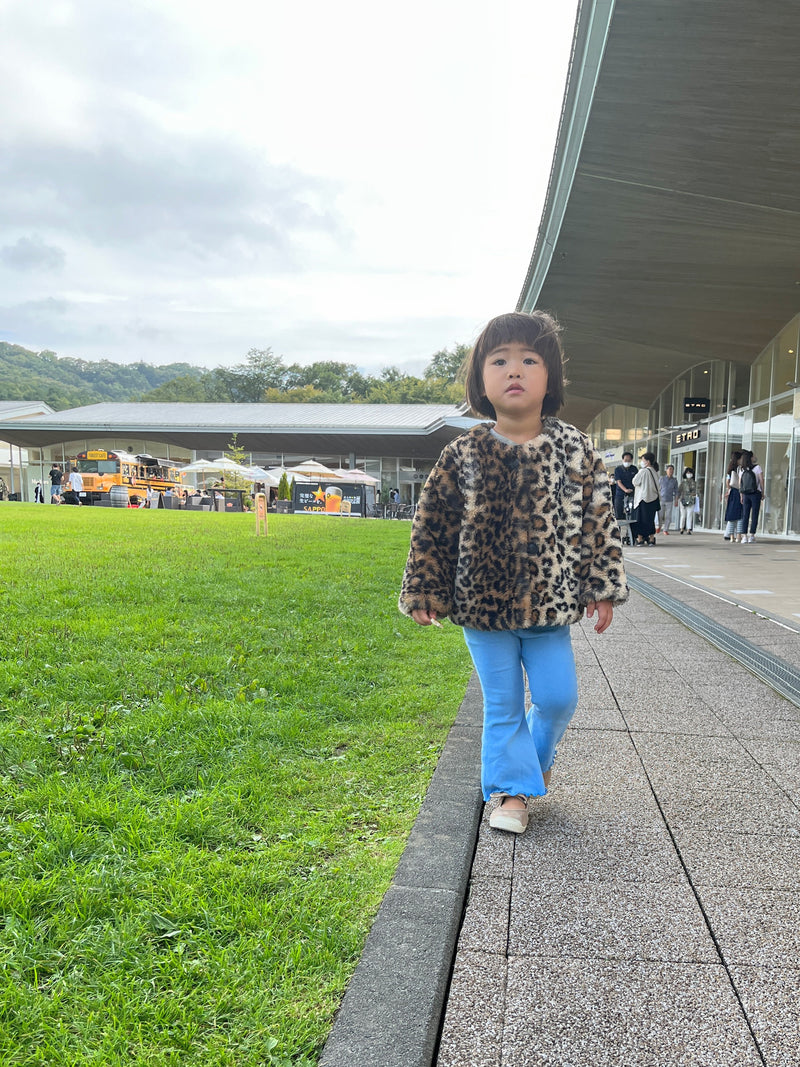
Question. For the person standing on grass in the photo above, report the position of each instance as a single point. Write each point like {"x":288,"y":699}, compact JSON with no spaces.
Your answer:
{"x":56,"y":475}
{"x":76,"y":483}
{"x":514,"y":537}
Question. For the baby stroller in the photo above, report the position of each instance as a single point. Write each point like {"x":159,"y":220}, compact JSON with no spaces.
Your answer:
{"x":626,"y":523}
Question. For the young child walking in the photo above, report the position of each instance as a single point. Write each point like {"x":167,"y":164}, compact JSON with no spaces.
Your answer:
{"x":514,"y":537}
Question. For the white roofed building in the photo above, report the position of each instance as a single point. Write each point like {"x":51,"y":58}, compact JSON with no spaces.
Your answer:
{"x":398,"y":443}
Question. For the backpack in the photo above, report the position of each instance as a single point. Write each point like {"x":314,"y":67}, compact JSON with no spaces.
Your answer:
{"x":748,"y":482}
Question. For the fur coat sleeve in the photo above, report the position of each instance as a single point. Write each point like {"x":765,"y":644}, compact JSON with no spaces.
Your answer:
{"x":433,"y":555}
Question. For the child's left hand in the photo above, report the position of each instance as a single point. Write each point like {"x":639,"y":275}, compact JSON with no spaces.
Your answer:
{"x":605,"y":613}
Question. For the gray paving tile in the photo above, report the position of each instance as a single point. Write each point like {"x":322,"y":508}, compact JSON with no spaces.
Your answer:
{"x":597,"y":1014}
{"x":617,"y":668}
{"x":573,"y":796}
{"x":771,"y":1000}
{"x":780,"y":730}
{"x":603,"y":749}
{"x":685,"y":646}
{"x":485,"y":926}
{"x":473,"y":1024}
{"x":610,"y":920}
{"x":595,"y":850}
{"x":745,"y":693}
{"x":788,"y":781}
{"x":765,"y":809}
{"x":767,"y":706}
{"x":584,"y":657}
{"x":593,"y":688}
{"x":691,"y":778}
{"x":697,"y":720}
{"x":759,"y":861}
{"x":754,"y":926}
{"x":701,"y":668}
{"x":642,"y":693}
{"x":781,"y":761}
{"x":784,"y":754}
{"x":598,"y":718}
{"x":494,"y":853}
{"x":671,"y":753}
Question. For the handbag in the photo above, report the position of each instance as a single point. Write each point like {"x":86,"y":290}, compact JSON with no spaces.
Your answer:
{"x":655,"y":488}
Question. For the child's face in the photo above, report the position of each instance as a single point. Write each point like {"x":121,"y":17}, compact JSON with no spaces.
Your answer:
{"x":515,"y":379}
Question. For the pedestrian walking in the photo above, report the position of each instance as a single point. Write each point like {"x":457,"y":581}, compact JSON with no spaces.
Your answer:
{"x":514,"y":537}
{"x":751,"y":487}
{"x":623,"y":483}
{"x":646,"y":500}
{"x":668,"y":495}
{"x":56,"y":476}
{"x":733,"y":499}
{"x":38,"y":493}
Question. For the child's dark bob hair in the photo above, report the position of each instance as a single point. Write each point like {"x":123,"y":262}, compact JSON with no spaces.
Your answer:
{"x":538,"y":331}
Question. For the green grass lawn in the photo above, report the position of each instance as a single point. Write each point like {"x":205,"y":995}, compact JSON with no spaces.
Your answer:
{"x":212,"y":748}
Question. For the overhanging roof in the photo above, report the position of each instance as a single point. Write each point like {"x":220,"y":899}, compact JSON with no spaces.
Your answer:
{"x":412,"y":430}
{"x":671,"y":229}
{"x":21,"y":409}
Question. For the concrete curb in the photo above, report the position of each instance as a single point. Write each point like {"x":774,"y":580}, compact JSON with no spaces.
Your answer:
{"x":392,"y":1009}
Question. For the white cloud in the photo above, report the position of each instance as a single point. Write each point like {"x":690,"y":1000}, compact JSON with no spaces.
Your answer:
{"x":185,"y":180}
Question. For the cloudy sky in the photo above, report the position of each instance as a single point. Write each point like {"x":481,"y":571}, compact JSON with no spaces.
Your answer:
{"x":185,"y":180}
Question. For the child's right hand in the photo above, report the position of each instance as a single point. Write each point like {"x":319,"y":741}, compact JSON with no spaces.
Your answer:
{"x":425,"y":618}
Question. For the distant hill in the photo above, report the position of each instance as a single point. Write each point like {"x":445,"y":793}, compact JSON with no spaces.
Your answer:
{"x":63,"y":382}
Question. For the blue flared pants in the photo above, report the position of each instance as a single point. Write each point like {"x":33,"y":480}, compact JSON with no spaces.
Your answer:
{"x":518,"y":747}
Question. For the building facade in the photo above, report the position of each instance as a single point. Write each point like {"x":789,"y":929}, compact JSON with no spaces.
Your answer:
{"x":396,"y":443}
{"x":756,"y":408}
{"x":668,"y":245}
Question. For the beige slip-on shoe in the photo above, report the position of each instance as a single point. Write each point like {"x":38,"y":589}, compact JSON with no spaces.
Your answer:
{"x":513,"y":820}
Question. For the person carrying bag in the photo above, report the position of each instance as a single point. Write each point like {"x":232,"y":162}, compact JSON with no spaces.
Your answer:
{"x":646,"y":500}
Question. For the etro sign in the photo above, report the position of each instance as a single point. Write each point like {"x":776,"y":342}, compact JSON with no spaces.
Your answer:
{"x":694,"y":435}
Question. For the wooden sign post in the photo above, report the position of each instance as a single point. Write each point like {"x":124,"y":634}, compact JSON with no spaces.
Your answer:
{"x":261,"y":514}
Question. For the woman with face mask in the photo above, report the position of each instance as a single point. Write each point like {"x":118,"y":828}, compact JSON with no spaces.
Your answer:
{"x":687,"y":491}
{"x":645,"y":500}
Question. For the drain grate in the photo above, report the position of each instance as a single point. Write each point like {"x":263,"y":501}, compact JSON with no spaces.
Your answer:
{"x":776,"y":672}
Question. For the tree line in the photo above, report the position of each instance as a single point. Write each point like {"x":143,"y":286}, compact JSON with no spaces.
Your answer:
{"x":263,"y":377}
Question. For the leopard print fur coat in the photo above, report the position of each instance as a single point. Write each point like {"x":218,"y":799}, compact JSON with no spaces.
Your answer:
{"x":509,"y":536}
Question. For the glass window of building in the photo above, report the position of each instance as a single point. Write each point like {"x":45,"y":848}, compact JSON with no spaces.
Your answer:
{"x":716,"y":470}
{"x":785,"y":371}
{"x":776,"y":467}
{"x":717,"y":388}
{"x":794,"y":498}
{"x":665,"y":408}
{"x":761,"y":376}
{"x":680,"y":392}
{"x":759,"y":438}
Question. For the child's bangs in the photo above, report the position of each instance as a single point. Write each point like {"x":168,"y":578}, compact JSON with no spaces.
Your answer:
{"x":512,"y":329}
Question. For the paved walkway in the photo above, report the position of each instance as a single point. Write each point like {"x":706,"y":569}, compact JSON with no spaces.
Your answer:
{"x":651,"y":913}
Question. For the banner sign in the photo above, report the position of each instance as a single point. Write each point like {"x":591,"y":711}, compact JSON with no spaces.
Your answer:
{"x":328,"y":498}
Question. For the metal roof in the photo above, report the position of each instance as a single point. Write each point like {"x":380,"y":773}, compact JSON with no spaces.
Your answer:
{"x":671,"y":229}
{"x":374,"y":429}
{"x":20,"y":409}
